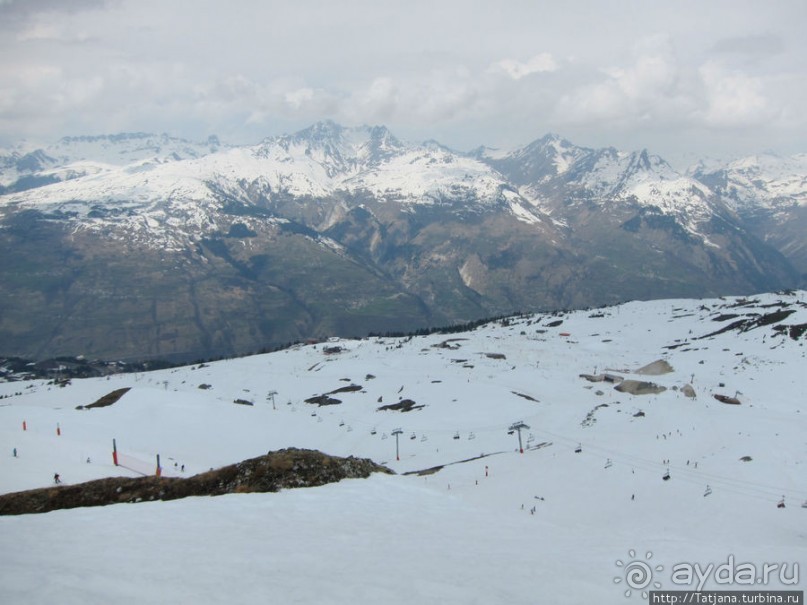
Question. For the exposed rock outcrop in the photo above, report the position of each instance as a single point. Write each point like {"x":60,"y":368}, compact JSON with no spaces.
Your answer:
{"x":283,"y":469}
{"x":638,"y":387}
{"x":657,"y":368}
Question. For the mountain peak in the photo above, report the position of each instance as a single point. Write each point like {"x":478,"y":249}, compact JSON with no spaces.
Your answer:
{"x":380,"y":133}
{"x":552,"y":137}
{"x":539,"y":161}
{"x":382,"y":143}
{"x":642,"y":161}
{"x":321,"y":131}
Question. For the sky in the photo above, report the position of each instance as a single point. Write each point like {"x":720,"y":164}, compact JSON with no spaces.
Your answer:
{"x":684,"y":79}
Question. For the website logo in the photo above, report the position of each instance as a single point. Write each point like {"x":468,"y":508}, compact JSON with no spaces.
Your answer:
{"x":637,"y":574}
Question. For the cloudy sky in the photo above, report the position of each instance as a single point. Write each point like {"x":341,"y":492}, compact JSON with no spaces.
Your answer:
{"x":681,"y":78}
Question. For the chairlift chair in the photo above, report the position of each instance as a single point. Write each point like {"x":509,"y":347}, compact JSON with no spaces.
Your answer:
{"x":579,"y":448}
{"x":666,"y":476}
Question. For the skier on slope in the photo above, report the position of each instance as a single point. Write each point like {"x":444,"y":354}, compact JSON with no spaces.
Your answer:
{"x":56,"y":478}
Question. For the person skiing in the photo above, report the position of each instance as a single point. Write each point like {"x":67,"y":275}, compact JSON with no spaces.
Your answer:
{"x":56,"y":478}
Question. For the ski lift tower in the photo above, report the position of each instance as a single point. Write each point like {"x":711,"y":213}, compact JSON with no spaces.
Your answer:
{"x":397,"y":432}
{"x":271,"y":395}
{"x":517,"y":426}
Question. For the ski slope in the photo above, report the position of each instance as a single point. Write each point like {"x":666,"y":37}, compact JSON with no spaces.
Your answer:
{"x":493,"y":525}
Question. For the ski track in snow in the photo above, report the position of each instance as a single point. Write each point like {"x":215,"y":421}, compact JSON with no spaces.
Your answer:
{"x":466,"y":534}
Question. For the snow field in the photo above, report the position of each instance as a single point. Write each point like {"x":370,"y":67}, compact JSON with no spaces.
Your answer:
{"x":458,"y":535}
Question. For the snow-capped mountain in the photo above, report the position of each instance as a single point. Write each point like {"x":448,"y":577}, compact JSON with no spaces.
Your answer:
{"x":679,"y":226}
{"x":663,"y":433}
{"x":417,"y":234}
{"x":763,"y":181}
{"x":769,"y":193}
{"x":147,"y":188}
{"x":558,"y":175}
{"x":76,"y":157}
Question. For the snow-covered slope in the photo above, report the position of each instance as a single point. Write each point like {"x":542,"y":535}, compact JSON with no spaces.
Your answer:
{"x":491,"y":524}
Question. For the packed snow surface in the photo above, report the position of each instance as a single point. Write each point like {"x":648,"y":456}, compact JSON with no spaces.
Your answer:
{"x":493,"y":525}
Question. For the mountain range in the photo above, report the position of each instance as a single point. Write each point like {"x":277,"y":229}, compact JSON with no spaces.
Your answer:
{"x":138,"y":245}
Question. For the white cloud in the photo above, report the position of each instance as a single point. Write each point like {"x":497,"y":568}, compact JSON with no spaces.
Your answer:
{"x":251,"y":69}
{"x":380,"y":100}
{"x":542,"y":63}
{"x":417,"y":98}
{"x":732,"y":97}
{"x":296,"y":99}
{"x":52,"y":32}
{"x":649,"y":87}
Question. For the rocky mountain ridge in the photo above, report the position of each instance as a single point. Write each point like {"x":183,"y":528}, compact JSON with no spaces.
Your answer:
{"x":163,"y":247}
